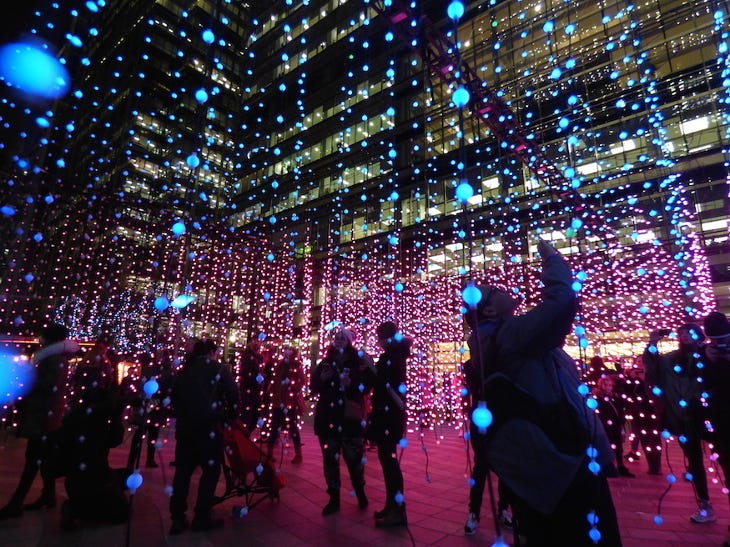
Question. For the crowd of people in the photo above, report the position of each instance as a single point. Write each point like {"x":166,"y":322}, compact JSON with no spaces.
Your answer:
{"x":552,"y":438}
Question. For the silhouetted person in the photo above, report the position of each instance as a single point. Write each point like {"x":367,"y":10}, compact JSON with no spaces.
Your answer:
{"x":387,"y":420}
{"x":286,"y":401}
{"x":251,"y":384}
{"x":41,"y":412}
{"x":204,"y":396}
{"x":675,"y":376}
{"x":95,"y":493}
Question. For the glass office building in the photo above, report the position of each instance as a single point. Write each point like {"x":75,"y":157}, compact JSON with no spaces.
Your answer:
{"x":290,"y":166}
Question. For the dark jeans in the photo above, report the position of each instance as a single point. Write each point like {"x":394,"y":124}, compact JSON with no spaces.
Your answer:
{"x":568,"y":525}
{"x":285,"y":420}
{"x":392,"y":475}
{"x":191,"y":451}
{"x":352,"y":449}
{"x":37,"y":450}
{"x":694,"y":462}
{"x":479,"y":476}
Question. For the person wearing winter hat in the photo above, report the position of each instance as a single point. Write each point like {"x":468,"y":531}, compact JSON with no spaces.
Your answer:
{"x":717,"y":384}
{"x":341,"y":382}
{"x":678,"y":377}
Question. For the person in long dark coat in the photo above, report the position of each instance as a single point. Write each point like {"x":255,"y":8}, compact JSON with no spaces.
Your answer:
{"x":387,"y":420}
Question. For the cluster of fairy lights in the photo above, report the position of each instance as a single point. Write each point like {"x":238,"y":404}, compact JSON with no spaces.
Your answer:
{"x":189,"y":283}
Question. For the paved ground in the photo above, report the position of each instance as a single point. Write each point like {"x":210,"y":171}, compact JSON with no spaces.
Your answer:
{"x":436,"y":492}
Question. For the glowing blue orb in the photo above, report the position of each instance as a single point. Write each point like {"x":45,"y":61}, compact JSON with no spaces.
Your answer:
{"x":193,"y":161}
{"x":471,"y":295}
{"x":201,"y":95}
{"x":403,"y":443}
{"x":398,"y":287}
{"x":591,"y":451}
{"x":594,"y":467}
{"x":592,"y":518}
{"x":134,"y":481}
{"x":481,"y":416}
{"x":671,"y":478}
{"x":595,"y":535}
{"x":150,"y":387}
{"x":178,"y":228}
{"x":259,"y":379}
{"x":658,"y":520}
{"x":464,"y":191}
{"x":33,"y":71}
{"x":460,"y":97}
{"x":208,"y":36}
{"x":455,"y":11}
{"x":16,"y":377}
{"x":399,"y":498}
{"x":161,"y":303}
{"x":592,"y":403}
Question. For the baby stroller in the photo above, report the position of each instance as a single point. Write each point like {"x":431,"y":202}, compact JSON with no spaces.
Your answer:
{"x":249,"y":472}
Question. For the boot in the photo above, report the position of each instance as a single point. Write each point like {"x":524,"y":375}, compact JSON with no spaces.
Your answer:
{"x":297,"y":455}
{"x":362,"y":499}
{"x":11,"y":510}
{"x":654,"y":459}
{"x":395,"y":517}
{"x":333,"y":505}
{"x":46,"y":500}
{"x":385,"y":510}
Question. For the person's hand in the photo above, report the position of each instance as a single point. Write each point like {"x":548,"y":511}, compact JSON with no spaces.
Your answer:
{"x":655,"y":336}
{"x":545,"y":249}
{"x":328,"y":371}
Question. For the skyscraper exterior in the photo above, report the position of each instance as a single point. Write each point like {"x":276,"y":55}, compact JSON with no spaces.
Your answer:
{"x":291,"y":166}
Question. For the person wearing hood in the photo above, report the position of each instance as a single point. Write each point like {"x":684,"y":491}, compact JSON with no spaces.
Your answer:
{"x":550,"y":452}
{"x":387,"y":420}
{"x":676,"y":378}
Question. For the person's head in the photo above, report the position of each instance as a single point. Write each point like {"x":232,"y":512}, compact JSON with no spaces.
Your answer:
{"x":495,"y":304}
{"x":254,"y":344}
{"x":343,"y":339}
{"x":386,"y":331}
{"x":636,"y":373}
{"x":690,"y":334}
{"x":607,"y":383}
{"x":52,"y":334}
{"x":205,"y":348}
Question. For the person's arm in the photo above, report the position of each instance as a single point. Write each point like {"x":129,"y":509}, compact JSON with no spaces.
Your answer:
{"x":64,"y":347}
{"x":547,"y":324}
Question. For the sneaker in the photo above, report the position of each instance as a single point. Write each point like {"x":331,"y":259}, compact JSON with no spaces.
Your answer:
{"x":505,"y":519}
{"x":705,"y":514}
{"x":470,"y":526}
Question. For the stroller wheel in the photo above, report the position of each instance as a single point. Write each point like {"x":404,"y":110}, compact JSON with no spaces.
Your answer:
{"x":239,"y":511}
